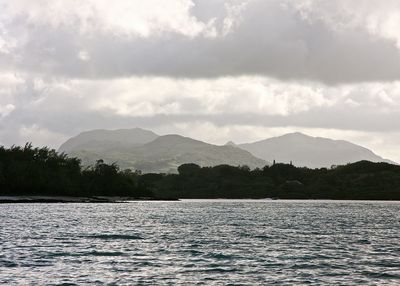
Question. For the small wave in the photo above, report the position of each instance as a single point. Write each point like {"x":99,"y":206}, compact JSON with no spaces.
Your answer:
{"x":264,"y":237}
{"x":193,"y":252}
{"x":80,"y":254}
{"x":104,"y":253}
{"x":215,"y":270}
{"x":7,"y":263}
{"x":57,"y":254}
{"x":305,"y":266}
{"x":113,"y":236}
{"x":363,"y":241}
{"x":146,"y":263}
{"x":37,"y":263}
{"x":219,"y":270}
{"x":220,"y":256}
{"x":386,"y":264}
{"x":273,"y":265}
{"x":381,"y":275}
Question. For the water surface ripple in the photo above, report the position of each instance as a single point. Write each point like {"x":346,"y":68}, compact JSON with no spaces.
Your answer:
{"x":221,"y":242}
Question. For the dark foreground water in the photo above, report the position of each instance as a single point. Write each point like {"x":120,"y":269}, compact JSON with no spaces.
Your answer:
{"x":201,"y":243}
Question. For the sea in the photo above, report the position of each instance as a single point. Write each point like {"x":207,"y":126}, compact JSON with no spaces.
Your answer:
{"x":201,"y":242}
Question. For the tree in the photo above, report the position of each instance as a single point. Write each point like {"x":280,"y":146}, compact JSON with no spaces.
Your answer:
{"x":188,"y":169}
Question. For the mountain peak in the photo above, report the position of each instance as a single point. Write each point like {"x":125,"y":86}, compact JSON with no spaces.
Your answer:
{"x":104,"y":139}
{"x":295,"y":135}
{"x":307,"y":151}
{"x":230,"y":143}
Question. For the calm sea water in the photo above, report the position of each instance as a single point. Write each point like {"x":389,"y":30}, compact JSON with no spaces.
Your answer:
{"x":201,"y":243}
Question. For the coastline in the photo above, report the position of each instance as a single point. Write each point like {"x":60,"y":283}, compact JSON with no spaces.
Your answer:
{"x":123,"y":199}
{"x":68,"y":199}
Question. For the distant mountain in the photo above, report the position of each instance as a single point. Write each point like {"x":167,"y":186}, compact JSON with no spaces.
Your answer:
{"x":162,"y":154}
{"x":102,"y":140}
{"x":230,"y":143}
{"x":144,"y":150}
{"x":312,"y":152}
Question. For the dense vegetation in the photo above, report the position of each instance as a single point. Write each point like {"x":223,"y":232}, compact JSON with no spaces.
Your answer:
{"x":41,"y":171}
{"x":361,"y":180}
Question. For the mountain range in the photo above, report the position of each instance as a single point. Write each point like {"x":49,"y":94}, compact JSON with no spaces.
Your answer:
{"x":148,"y":152}
{"x":144,"y":150}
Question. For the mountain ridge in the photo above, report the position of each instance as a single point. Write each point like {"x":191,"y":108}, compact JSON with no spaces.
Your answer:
{"x":103,"y":138}
{"x":165,"y":153}
{"x":142,"y":149}
{"x":308,"y":151}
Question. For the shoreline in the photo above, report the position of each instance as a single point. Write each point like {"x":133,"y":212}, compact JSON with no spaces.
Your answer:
{"x":121,"y":200}
{"x":68,"y":199}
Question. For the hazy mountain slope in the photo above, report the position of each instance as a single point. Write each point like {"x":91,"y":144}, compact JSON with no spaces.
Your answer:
{"x":309,"y":151}
{"x":101,"y":140}
{"x":166,"y":153}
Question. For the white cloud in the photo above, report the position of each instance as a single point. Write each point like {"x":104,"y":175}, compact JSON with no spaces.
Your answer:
{"x":84,"y":55}
{"x":379,"y":18}
{"x":133,"y":17}
{"x":39,"y":136}
{"x":6,"y":110}
{"x":239,"y":95}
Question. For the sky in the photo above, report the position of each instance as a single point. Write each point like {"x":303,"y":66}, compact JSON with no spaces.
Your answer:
{"x":240,"y":70}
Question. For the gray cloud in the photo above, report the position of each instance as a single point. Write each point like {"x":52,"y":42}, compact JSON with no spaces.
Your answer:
{"x":268,"y":38}
{"x":62,"y":107}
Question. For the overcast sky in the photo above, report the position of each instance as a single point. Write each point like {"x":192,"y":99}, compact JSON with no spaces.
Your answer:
{"x":210,"y":69}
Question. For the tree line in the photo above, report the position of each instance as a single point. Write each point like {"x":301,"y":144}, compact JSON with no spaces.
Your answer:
{"x":42,"y":171}
{"x":362,"y":180}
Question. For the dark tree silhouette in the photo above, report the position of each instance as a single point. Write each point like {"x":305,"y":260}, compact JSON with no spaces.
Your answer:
{"x":42,"y":171}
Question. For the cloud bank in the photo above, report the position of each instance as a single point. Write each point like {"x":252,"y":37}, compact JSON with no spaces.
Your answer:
{"x":302,"y":40}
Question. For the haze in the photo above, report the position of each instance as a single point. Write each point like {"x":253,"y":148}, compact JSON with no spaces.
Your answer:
{"x":211,"y":70}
